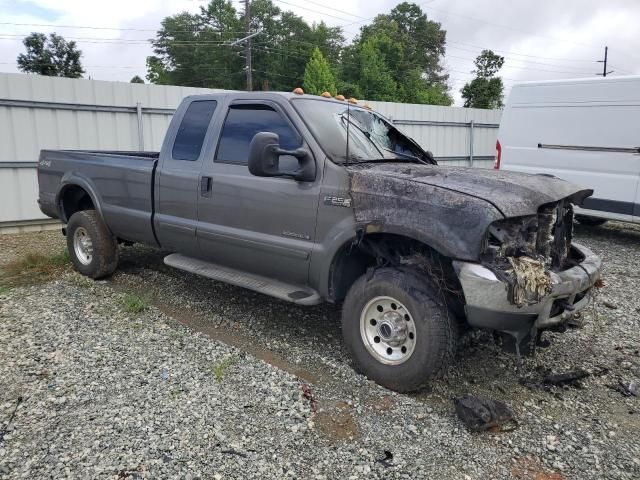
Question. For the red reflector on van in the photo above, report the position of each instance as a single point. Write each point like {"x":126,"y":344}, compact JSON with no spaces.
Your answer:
{"x":496,"y":163}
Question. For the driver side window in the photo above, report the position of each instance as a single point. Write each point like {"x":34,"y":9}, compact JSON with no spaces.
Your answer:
{"x":243,"y":122}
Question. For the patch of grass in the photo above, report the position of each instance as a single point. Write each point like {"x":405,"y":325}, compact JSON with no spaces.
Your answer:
{"x":218,"y":368}
{"x":134,"y":304}
{"x":81,"y":281}
{"x":4,"y":289}
{"x":34,"y":268}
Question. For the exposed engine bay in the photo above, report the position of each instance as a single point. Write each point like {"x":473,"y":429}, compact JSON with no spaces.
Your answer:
{"x":522,"y":251}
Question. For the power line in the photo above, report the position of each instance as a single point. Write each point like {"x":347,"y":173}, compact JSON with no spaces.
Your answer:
{"x":506,"y":65}
{"x":507,"y":53}
{"x":312,"y":10}
{"x":132,"y":41}
{"x":126,"y":67}
{"x":223,"y":43}
{"x":335,"y":9}
{"x":220,"y":43}
{"x":476,"y":19}
{"x":92,"y":27}
{"x":288,"y":53}
{"x":242,"y":32}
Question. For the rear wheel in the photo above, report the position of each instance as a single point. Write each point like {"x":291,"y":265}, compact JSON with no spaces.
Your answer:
{"x":590,"y":221}
{"x":93,"y":250}
{"x":397,"y":332}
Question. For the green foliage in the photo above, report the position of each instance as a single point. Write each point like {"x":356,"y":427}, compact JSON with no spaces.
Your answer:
{"x":33,"y":269}
{"x":318,"y":77}
{"x":376,"y":81}
{"x":218,"y":368}
{"x":193,"y":49}
{"x":52,"y":56}
{"x":348,"y":89}
{"x":486,"y":90}
{"x":134,"y":304}
{"x":4,"y":289}
{"x":136,"y":79}
{"x":488,"y":64}
{"x":395,"y":58}
{"x":410,"y":47}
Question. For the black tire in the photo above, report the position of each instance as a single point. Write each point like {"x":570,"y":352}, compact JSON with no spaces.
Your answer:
{"x":104,"y":254}
{"x":590,"y":221}
{"x":436,"y":332}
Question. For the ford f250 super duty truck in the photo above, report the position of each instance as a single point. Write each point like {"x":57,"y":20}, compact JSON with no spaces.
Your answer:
{"x":312,"y":199}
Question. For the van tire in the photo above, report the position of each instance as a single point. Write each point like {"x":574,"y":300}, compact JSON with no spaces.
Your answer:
{"x":92,"y":248}
{"x":590,"y":221}
{"x":434,"y":330}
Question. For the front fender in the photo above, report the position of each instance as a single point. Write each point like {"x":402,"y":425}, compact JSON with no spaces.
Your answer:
{"x":452,"y":223}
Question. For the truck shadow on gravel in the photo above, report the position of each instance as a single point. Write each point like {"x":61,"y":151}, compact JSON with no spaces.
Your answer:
{"x":304,"y":341}
{"x":307,"y":341}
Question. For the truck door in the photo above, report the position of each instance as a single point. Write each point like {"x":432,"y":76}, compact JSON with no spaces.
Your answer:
{"x":178,"y":176}
{"x":264,"y":225}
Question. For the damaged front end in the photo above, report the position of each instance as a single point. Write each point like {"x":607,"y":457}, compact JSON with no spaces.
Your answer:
{"x":530,"y":275}
{"x":523,"y":251}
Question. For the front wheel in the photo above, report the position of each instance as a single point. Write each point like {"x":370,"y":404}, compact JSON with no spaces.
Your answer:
{"x":92,"y":248}
{"x":398,"y":333}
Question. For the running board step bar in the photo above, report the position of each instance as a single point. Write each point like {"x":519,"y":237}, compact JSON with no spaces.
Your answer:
{"x":274,"y":288}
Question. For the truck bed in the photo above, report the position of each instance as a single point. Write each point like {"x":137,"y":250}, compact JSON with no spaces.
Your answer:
{"x":121,"y":182}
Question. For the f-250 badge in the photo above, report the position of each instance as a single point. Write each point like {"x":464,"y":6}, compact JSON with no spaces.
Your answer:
{"x":337,"y":201}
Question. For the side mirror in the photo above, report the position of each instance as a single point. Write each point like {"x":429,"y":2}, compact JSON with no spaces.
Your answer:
{"x":264,"y":159}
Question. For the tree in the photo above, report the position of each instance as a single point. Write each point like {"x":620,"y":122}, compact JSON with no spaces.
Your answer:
{"x":318,"y":77}
{"x":411,"y":47}
{"x":136,"y":79}
{"x":485,"y":91}
{"x":194,"y":49}
{"x":377,"y":83}
{"x":52,"y":56}
{"x":395,"y":58}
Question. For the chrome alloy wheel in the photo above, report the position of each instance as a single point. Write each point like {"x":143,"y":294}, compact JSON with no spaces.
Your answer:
{"x":388,"y":330}
{"x":82,"y":246}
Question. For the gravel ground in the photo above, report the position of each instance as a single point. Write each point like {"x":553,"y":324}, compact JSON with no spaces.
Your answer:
{"x":213,"y":381}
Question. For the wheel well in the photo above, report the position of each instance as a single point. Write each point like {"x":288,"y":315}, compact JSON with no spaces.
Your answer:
{"x":75,"y":199}
{"x":386,"y":249}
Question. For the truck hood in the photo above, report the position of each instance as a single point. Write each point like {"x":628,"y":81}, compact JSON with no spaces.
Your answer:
{"x":513,"y":194}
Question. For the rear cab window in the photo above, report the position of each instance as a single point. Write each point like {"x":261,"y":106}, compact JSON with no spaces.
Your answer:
{"x":243,"y":122}
{"x":193,"y":128}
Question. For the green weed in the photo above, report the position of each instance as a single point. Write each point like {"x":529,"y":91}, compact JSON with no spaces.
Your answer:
{"x":218,"y":368}
{"x":134,"y":304}
{"x":33,"y":269}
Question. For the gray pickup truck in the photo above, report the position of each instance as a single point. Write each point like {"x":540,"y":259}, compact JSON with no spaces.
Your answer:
{"x":311,"y":199}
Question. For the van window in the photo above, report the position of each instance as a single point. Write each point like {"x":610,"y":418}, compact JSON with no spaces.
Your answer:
{"x":243,"y":122}
{"x":192,"y":130}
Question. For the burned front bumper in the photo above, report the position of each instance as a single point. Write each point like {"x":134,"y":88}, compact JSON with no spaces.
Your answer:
{"x":487,"y":305}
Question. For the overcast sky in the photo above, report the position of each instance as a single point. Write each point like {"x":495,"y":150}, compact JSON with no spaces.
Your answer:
{"x":540,"y":39}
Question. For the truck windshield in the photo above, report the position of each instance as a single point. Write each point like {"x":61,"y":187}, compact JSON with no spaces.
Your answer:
{"x":371,"y":137}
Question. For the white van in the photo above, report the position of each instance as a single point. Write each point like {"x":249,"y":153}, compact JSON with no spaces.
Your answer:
{"x":586,"y":131}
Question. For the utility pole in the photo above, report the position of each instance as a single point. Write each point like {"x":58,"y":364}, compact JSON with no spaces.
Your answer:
{"x":247,"y":20}
{"x":604,"y":67}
